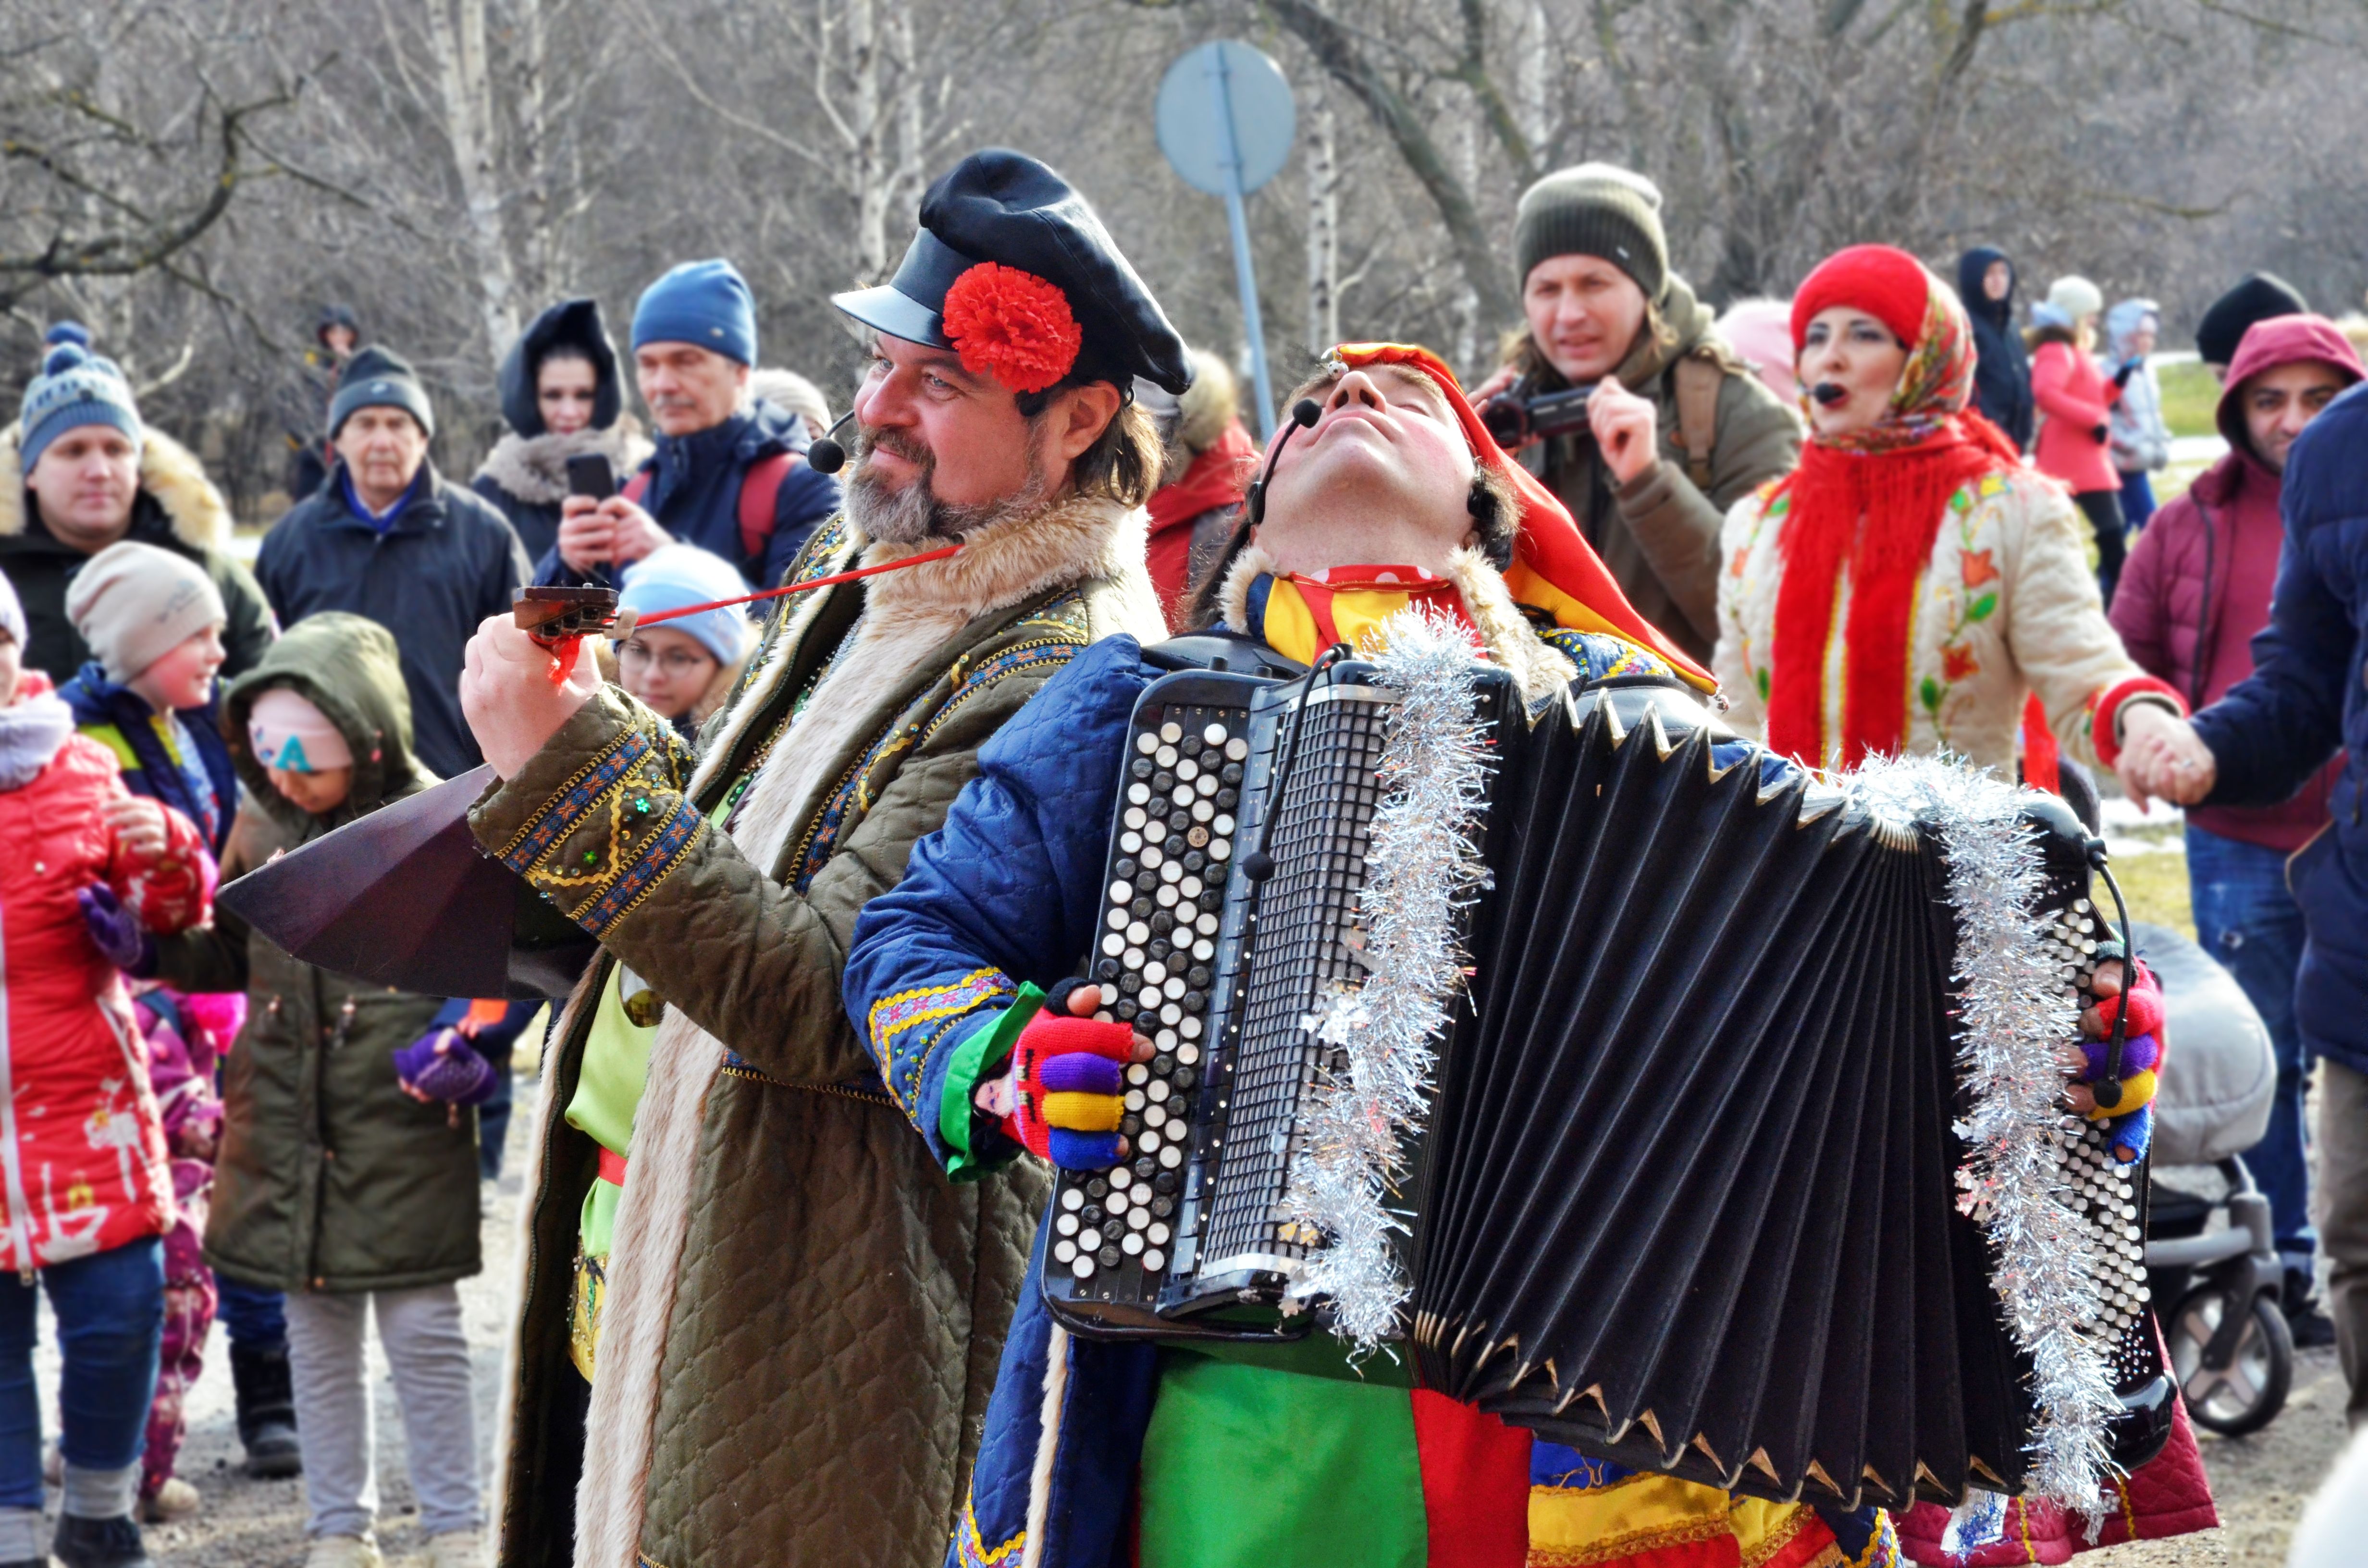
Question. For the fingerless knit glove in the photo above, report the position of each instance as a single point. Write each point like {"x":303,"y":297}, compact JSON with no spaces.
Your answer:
{"x":441,"y":1066}
{"x":1071,"y":1085}
{"x":2129,"y":1121}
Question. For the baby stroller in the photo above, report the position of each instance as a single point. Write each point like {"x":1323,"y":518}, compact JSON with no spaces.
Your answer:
{"x":2215,"y":1286}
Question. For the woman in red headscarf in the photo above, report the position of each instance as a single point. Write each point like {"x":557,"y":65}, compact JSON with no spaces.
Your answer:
{"x":1913,"y":587}
{"x":1912,"y":583}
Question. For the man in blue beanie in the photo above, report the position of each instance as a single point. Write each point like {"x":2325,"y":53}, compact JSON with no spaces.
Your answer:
{"x":388,"y":538}
{"x":729,"y":474}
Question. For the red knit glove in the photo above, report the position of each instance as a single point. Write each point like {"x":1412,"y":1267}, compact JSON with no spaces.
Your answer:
{"x":1071,"y":1087}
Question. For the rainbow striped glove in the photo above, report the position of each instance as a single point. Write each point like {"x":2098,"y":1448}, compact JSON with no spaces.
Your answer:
{"x":1071,"y":1084}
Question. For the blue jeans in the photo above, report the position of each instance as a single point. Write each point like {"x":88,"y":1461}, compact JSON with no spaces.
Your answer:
{"x":255,"y":1318}
{"x":2247,"y":919}
{"x":2137,"y":498}
{"x":110,"y":1311}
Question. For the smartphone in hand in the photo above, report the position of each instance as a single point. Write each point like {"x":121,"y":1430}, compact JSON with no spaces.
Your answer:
{"x":589,"y":473}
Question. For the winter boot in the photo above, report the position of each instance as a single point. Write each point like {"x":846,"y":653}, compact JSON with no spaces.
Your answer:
{"x":267,"y":1411}
{"x":2306,"y":1321}
{"x":98,"y":1543}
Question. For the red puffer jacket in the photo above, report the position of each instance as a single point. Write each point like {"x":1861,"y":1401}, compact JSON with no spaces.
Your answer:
{"x":82,"y":1147}
{"x":2077,"y":401}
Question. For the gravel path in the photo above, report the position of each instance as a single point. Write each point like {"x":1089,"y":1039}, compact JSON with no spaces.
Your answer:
{"x":2260,"y":1482}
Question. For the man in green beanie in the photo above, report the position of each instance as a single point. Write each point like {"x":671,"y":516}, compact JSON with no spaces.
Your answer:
{"x":1678,"y":428}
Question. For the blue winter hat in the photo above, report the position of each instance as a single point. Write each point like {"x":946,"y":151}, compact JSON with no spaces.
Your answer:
{"x":674,"y":575}
{"x":75,"y":388}
{"x":705,"y":303}
{"x":71,"y":331}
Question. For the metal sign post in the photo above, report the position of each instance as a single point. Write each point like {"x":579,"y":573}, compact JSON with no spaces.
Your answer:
{"x":1226,"y":121}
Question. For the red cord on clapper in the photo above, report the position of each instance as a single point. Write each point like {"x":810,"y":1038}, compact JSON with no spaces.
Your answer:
{"x":564,"y":649}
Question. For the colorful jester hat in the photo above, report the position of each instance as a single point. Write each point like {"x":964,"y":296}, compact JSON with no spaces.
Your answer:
{"x":1554,"y":569}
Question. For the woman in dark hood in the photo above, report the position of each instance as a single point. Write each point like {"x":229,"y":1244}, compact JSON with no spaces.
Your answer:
{"x":562,"y":397}
{"x":1986,"y":281}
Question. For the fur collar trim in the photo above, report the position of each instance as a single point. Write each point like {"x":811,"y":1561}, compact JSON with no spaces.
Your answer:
{"x":534,"y":468}
{"x":168,"y":471}
{"x":1540,"y":670}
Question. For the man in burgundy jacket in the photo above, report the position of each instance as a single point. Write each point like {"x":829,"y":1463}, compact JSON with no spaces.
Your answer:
{"x":2195,"y":590}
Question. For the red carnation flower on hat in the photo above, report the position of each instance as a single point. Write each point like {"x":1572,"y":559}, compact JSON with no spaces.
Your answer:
{"x":1013,"y":325}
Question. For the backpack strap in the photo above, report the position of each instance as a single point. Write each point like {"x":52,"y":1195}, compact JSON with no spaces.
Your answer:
{"x":760,"y":489}
{"x":1699,"y":376}
{"x":637,"y":486}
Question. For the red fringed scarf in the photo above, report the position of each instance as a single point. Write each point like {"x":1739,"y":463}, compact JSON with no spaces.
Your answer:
{"x":1880,"y":513}
{"x":1874,"y":501}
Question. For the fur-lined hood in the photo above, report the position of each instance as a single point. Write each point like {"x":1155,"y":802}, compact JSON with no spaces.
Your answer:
{"x":168,"y":471}
{"x":534,"y":468}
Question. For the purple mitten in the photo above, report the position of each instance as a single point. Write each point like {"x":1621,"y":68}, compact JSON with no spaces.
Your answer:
{"x":114,"y":930}
{"x":441,"y":1066}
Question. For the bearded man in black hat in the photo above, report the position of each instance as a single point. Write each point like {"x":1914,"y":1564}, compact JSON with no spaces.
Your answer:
{"x":756,"y":1324}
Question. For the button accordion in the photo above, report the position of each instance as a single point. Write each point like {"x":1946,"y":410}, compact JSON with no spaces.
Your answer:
{"x":1687,"y":1195}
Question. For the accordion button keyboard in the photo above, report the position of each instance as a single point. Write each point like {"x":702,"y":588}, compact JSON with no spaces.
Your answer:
{"x":1156,"y":961}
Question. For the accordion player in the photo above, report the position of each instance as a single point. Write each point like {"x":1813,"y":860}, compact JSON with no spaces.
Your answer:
{"x":1524,"y":1211}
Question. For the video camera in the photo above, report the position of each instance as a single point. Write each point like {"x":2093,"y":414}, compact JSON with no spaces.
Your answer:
{"x":1516,"y":418}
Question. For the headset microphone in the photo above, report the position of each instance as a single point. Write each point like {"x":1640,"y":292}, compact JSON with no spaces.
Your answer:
{"x":1829,"y":392}
{"x":1303,"y":415}
{"x":825,"y":455}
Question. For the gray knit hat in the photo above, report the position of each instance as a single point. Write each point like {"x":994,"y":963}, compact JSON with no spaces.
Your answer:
{"x":135,"y":603}
{"x":1600,"y":210}
{"x":380,"y":378}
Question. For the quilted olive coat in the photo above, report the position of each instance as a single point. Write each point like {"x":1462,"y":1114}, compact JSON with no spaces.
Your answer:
{"x":803,"y":1315}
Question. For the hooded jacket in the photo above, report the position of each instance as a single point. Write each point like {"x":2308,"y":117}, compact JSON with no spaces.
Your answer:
{"x":2307,"y":697}
{"x":1658,"y":534}
{"x":445,"y":563}
{"x":2198,"y":583}
{"x":330,"y":1178}
{"x":692,"y":488}
{"x":85,"y":1166}
{"x":121,"y":720}
{"x":524,"y":476}
{"x":2002,"y":370}
{"x":178,"y":508}
{"x":2140,"y":440}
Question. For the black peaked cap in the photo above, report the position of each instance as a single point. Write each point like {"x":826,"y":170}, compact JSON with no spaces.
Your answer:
{"x":1005,"y":207}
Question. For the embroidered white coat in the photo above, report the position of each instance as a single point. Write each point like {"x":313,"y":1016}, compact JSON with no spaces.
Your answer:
{"x":2008,"y":605}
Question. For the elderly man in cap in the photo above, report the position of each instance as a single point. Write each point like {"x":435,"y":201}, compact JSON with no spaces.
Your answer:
{"x":729,"y":474}
{"x":387,"y":537}
{"x":746,"y":1282}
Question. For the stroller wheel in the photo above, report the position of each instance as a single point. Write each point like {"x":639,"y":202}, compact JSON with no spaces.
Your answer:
{"x":2247,"y":1395}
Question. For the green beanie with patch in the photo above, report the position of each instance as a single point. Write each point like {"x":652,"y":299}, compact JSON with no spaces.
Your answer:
{"x":1599,"y":209}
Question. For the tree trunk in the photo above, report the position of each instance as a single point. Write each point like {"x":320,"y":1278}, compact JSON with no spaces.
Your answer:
{"x":1322,"y":223}
{"x":456,"y":35}
{"x":1336,"y":50}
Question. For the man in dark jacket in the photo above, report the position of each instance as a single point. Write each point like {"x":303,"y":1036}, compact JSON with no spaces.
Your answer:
{"x":2266,"y":738}
{"x":719,"y":455}
{"x":80,"y":472}
{"x":2196,"y":589}
{"x":2002,"y":369}
{"x":1677,"y":428}
{"x":388,"y":538}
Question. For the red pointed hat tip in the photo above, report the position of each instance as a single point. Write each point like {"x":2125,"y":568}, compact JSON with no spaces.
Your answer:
{"x":1013,"y":325}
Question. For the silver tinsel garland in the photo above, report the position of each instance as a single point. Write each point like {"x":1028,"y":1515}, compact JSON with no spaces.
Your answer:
{"x":1422,"y":866}
{"x":2016,"y":1017}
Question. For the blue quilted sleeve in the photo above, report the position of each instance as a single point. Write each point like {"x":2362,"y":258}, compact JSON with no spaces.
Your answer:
{"x":1003,"y":895}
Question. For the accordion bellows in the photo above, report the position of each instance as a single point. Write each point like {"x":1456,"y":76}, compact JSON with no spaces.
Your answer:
{"x":1687,"y":1199}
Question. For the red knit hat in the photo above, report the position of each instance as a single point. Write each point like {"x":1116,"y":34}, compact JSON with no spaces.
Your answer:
{"x":1886,"y":282}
